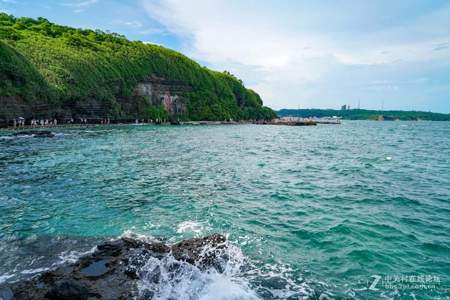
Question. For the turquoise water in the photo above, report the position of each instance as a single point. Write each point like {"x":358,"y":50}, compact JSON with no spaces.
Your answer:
{"x":316,"y":212}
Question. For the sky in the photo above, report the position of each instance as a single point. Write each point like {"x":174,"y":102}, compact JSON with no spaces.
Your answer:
{"x":294,"y":53}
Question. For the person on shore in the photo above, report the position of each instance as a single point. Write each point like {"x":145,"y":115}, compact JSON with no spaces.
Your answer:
{"x":55,"y":122}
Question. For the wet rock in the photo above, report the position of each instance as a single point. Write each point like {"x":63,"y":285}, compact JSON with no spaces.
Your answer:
{"x":200,"y":251}
{"x":68,"y":290}
{"x":6,"y":294}
{"x":157,"y":247}
{"x":35,"y":133}
{"x":135,"y":261}
{"x":95,"y":269}
{"x":114,"y":269}
{"x":113,"y":248}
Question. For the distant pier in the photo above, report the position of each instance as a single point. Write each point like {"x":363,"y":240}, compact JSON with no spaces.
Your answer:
{"x":294,"y":121}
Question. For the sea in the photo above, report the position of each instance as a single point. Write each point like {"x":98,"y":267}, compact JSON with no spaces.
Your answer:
{"x":359,"y":210}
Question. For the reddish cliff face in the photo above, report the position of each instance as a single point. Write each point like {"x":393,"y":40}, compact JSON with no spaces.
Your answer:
{"x":168,"y":93}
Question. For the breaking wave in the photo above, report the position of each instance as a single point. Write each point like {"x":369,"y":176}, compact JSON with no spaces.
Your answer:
{"x":168,"y":278}
{"x":235,"y":277}
{"x":190,"y":227}
{"x":232,"y":276}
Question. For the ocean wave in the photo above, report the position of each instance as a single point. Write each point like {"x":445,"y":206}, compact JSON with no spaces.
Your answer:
{"x":5,"y":277}
{"x":72,"y":256}
{"x":168,"y":278}
{"x":61,"y":134}
{"x":233,"y":276}
{"x":191,"y":226}
{"x":34,"y":271}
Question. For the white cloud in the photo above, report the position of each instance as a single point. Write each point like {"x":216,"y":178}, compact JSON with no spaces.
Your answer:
{"x":80,"y":5}
{"x":284,"y":51}
{"x":129,"y":24}
{"x":83,"y":3}
{"x":153,"y":31}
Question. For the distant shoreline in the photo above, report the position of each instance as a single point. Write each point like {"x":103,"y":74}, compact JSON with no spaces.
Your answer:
{"x":95,"y":125}
{"x":188,"y":123}
{"x":364,"y":114}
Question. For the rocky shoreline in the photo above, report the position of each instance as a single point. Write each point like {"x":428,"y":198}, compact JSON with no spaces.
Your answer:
{"x":94,"y":125}
{"x":113,"y":270}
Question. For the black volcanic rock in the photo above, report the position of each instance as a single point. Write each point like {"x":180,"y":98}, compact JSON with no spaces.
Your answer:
{"x":68,"y":290}
{"x":6,"y":294}
{"x":36,"y":133}
{"x":199,"y":251}
{"x":95,"y":269}
{"x":113,"y":270}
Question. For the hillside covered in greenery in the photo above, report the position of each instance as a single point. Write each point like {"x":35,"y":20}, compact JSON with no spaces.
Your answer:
{"x":48,"y":70}
{"x":363,"y":114}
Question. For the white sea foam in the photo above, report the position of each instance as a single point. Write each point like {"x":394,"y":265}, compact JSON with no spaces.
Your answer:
{"x":222,"y":287}
{"x":190,"y":226}
{"x":24,"y":136}
{"x":34,"y":271}
{"x":141,"y":237}
{"x":72,"y":256}
{"x":5,"y":277}
{"x":60,"y":134}
{"x":167,"y":278}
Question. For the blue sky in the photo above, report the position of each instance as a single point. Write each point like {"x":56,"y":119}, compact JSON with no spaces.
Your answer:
{"x":294,"y":53}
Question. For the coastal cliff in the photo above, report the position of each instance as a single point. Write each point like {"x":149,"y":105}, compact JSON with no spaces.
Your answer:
{"x":53,"y":71}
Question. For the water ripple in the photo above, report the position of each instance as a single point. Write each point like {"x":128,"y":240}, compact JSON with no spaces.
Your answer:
{"x":315,"y":210}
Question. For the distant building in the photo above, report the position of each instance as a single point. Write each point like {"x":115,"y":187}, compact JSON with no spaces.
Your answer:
{"x":344,"y":107}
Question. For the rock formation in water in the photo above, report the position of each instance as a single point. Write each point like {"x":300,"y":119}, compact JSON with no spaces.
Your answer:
{"x":113,"y":270}
{"x":35,"y":133}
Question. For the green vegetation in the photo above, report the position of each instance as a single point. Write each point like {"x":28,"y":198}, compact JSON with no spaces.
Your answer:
{"x":155,"y":112}
{"x":48,"y":70}
{"x":363,"y":114}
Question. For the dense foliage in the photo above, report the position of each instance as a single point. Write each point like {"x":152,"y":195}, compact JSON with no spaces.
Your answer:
{"x":363,"y":114}
{"x":53,"y":70}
